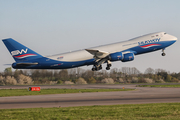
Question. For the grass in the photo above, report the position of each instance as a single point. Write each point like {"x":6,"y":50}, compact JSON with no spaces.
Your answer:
{"x":160,"y":111}
{"x":158,"y":85}
{"x":23,"y":92}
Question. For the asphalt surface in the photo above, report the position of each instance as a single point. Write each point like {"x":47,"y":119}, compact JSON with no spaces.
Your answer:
{"x":138,"y":96}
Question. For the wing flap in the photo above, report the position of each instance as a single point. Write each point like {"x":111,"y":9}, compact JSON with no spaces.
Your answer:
{"x":97,"y":53}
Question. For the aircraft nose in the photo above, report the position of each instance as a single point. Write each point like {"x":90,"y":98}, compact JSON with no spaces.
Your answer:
{"x":173,"y":38}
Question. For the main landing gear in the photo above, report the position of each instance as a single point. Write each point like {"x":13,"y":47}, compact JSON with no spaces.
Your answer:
{"x":163,"y":54}
{"x":97,"y":67}
{"x":108,"y":65}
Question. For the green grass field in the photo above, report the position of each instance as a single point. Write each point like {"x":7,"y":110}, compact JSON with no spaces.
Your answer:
{"x":157,"y":111}
{"x":23,"y":92}
{"x":158,"y":85}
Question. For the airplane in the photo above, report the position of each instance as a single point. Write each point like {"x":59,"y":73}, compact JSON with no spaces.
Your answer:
{"x":121,"y":51}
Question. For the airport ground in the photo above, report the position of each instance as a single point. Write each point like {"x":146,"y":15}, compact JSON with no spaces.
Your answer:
{"x":153,"y":111}
{"x":142,"y":103}
{"x":138,"y":96}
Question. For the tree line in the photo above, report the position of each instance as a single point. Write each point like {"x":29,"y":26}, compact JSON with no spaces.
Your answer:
{"x":82,"y":76}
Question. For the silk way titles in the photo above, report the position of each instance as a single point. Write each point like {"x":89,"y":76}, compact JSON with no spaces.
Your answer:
{"x":149,"y":41}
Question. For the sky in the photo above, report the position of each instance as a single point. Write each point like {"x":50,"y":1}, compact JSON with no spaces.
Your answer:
{"x":57,"y":26}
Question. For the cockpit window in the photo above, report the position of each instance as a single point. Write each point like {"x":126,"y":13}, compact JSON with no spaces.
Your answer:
{"x":164,"y":33}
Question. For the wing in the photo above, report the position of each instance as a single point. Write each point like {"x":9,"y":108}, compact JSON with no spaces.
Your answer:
{"x":97,"y":53}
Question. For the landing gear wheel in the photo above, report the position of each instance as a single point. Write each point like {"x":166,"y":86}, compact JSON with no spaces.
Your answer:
{"x":107,"y":68}
{"x":93,"y":69}
{"x":163,"y":54}
{"x":109,"y":65}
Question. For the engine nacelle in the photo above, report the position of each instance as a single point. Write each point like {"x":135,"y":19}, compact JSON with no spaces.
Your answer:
{"x":128,"y":57}
{"x":116,"y":56}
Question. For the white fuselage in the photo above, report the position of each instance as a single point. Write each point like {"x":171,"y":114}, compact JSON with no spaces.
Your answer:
{"x":112,"y":48}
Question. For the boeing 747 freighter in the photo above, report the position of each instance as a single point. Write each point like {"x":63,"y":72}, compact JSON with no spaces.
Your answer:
{"x":121,"y":51}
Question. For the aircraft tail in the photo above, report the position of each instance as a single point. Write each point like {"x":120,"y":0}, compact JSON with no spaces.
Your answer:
{"x":20,"y":52}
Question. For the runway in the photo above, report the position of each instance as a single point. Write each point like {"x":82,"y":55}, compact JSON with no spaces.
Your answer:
{"x":138,"y":96}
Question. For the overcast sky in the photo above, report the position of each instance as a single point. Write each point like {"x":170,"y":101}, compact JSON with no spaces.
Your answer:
{"x":56,"y":26}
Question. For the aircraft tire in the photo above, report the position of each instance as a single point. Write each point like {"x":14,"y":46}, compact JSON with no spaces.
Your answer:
{"x":163,"y":54}
{"x":107,"y":68}
{"x":109,"y":65}
{"x":93,"y":69}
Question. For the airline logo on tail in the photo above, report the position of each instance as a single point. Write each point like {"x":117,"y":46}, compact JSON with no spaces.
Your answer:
{"x":22,"y":53}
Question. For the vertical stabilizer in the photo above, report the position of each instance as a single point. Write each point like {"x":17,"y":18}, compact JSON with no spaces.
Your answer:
{"x":20,"y":52}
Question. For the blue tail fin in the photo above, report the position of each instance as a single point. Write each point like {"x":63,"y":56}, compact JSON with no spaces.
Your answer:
{"x":20,"y":52}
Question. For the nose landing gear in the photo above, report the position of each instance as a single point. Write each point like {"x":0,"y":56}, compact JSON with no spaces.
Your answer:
{"x":163,"y":54}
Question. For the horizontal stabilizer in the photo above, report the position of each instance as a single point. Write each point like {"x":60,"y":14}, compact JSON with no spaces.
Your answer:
{"x":7,"y":64}
{"x":26,"y":63}
{"x":23,"y":64}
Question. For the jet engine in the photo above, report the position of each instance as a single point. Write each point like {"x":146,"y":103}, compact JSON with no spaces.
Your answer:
{"x":116,"y":56}
{"x":128,"y":57}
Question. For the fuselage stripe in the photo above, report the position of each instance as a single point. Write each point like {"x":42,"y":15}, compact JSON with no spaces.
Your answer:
{"x":24,"y":56}
{"x":150,"y":45}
